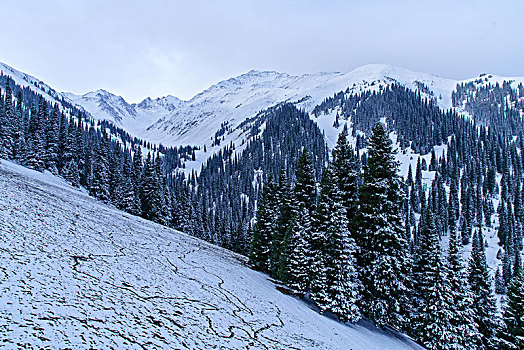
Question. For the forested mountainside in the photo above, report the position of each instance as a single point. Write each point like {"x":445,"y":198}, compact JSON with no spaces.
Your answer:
{"x":334,"y":228}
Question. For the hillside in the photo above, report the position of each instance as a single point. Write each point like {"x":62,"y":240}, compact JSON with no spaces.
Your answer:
{"x":78,"y":273}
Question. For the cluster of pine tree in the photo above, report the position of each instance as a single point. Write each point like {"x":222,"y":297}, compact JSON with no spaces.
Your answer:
{"x":418,"y":121}
{"x":492,"y":104}
{"x":304,"y":240}
{"x":351,"y":249}
{"x":219,"y":203}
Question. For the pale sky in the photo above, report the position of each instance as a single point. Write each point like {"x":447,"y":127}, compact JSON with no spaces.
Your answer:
{"x":155,"y":48}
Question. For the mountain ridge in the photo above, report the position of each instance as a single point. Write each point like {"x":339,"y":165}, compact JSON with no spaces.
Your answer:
{"x":174,"y":122}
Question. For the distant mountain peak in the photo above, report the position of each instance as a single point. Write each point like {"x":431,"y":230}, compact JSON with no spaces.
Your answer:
{"x":170,"y":102}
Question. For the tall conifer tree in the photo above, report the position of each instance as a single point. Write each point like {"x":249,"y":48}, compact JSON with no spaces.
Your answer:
{"x":383,"y":251}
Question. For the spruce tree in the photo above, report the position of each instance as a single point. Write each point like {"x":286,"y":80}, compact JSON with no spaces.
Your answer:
{"x":465,"y":332}
{"x":284,"y":218}
{"x":164,"y":196}
{"x":342,"y":283}
{"x":127,"y":199}
{"x":417,"y":191}
{"x":70,"y":146}
{"x":432,"y":309}
{"x":335,"y":286}
{"x":149,"y":192}
{"x":383,"y":251}
{"x":512,"y":331}
{"x":52,"y":146}
{"x":100,"y":184}
{"x":18,"y":130}
{"x":34,"y":153}
{"x":71,"y":174}
{"x":346,"y":173}
{"x":259,"y":256}
{"x":484,"y":307}
{"x":320,"y":240}
{"x":136,"y":170}
{"x":500,"y":284}
{"x":305,"y":190}
{"x":299,"y":247}
{"x":6,"y":124}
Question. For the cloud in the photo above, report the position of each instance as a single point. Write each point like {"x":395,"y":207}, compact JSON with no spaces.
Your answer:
{"x":139,"y":49}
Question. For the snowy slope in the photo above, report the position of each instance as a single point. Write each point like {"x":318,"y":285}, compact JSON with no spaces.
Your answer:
{"x":33,"y":83}
{"x":76,"y":273}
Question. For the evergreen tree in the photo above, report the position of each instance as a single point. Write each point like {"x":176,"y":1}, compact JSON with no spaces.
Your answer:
{"x":51,"y":148}
{"x":500,"y":284}
{"x":283,"y":221}
{"x":335,"y":286}
{"x":70,"y":150}
{"x":126,"y":195}
{"x":484,"y":306}
{"x":80,"y":151}
{"x":512,"y":332}
{"x":305,"y":190}
{"x":18,"y":130}
{"x":320,"y":240}
{"x":299,"y":258}
{"x":465,"y":333}
{"x":417,"y":192}
{"x":432,"y":310}
{"x":181,"y":213}
{"x":34,"y":151}
{"x":164,"y":196}
{"x":507,"y":271}
{"x":259,"y":256}
{"x":6,"y":124}
{"x":71,"y":174}
{"x":346,"y":174}
{"x":136,"y":170}
{"x":383,"y":252}
{"x":100,"y":184}
{"x":150,"y":198}
{"x":409,"y":177}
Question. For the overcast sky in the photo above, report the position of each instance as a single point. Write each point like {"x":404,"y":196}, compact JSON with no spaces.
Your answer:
{"x":154,"y":48}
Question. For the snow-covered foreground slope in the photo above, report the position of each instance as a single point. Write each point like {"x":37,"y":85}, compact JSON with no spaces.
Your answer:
{"x":76,"y":273}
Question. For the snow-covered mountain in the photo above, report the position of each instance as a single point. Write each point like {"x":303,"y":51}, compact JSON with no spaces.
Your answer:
{"x":78,"y":273}
{"x":173,"y":122}
{"x":195,"y":121}
{"x":220,"y":112}
{"x":134,"y":118}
